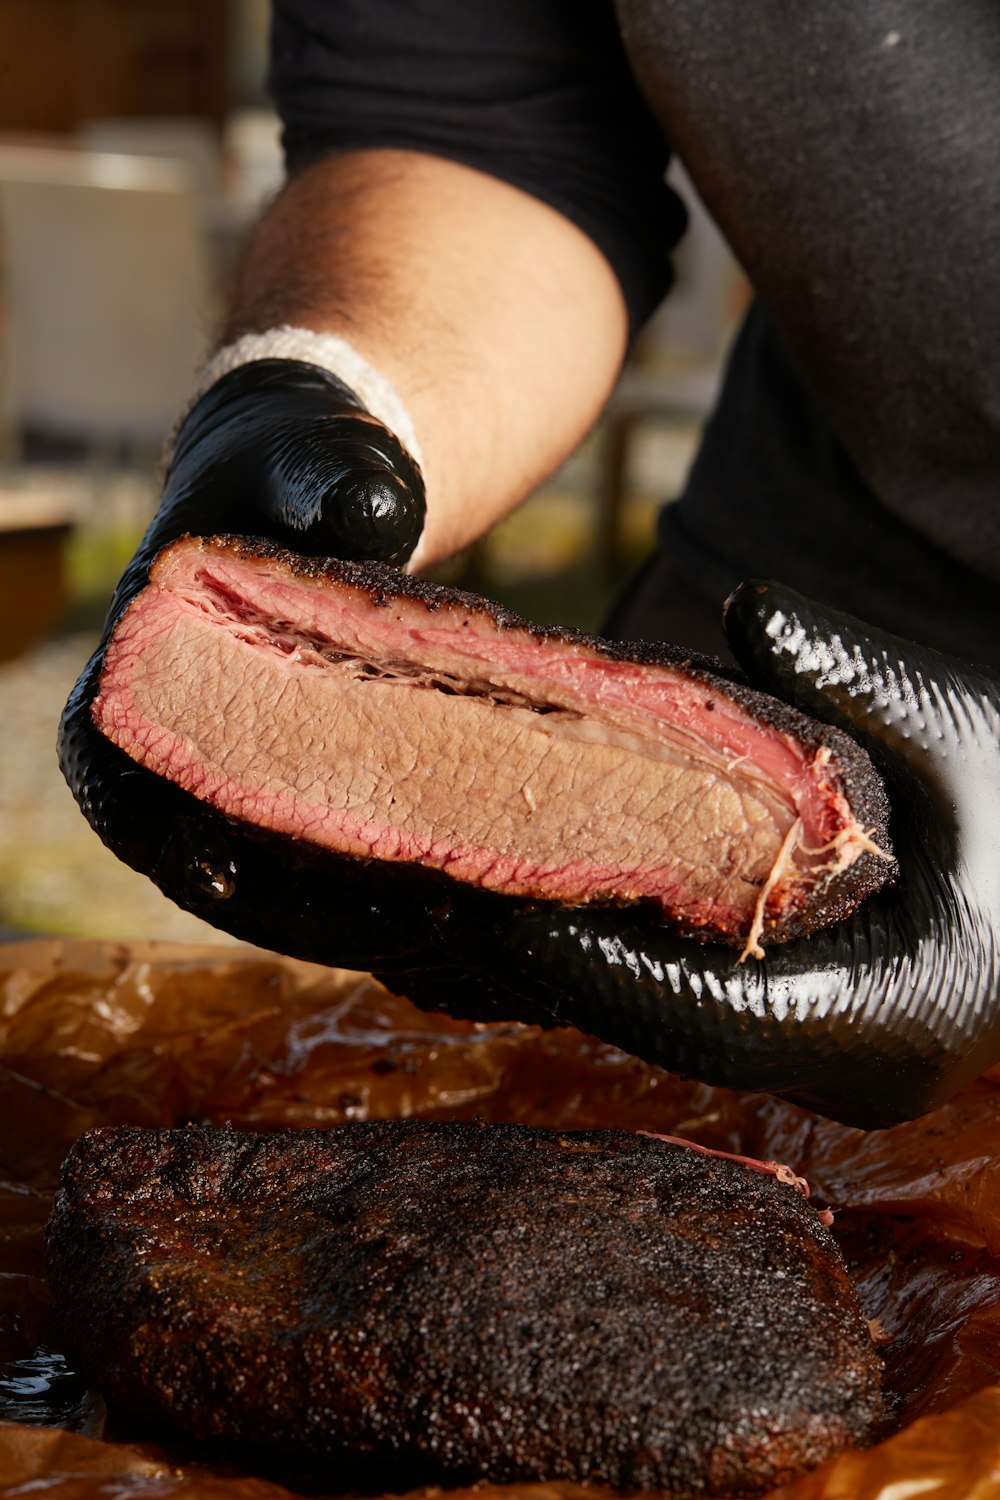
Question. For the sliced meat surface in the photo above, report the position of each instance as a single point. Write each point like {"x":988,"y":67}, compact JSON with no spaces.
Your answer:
{"x":463,"y":1300}
{"x":387,"y":719}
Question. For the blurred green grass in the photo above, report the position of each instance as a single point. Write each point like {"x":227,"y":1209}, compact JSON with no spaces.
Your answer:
{"x":96,"y":556}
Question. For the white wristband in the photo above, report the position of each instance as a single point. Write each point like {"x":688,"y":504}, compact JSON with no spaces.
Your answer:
{"x":376,"y":393}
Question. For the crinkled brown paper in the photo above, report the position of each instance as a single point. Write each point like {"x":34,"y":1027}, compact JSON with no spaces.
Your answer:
{"x":152,"y":1034}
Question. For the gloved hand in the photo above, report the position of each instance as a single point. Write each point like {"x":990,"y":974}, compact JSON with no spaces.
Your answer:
{"x":871,"y":1022}
{"x":283,"y":450}
{"x":278,"y":449}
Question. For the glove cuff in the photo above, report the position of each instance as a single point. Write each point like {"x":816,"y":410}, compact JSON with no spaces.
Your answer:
{"x":328,"y":351}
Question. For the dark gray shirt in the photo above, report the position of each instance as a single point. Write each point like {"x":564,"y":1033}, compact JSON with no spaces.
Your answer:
{"x":851,"y":155}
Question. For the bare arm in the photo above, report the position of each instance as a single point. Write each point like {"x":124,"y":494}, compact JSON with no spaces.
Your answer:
{"x":499,"y":322}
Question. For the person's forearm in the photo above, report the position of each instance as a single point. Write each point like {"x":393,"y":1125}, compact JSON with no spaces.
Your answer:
{"x":500,"y":324}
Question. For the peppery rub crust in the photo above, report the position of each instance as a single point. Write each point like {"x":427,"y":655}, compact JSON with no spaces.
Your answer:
{"x":461,"y":1300}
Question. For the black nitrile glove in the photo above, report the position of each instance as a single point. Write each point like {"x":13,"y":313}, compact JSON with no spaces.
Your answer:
{"x":871,"y":1022}
{"x":277,"y":449}
{"x":283,"y":450}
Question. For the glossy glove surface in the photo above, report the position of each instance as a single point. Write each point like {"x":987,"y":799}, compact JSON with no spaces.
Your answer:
{"x":871,"y":1022}
{"x":278,"y":449}
{"x":284,"y":450}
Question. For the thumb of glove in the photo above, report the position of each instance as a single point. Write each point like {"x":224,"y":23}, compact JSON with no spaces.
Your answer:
{"x":932,"y":723}
{"x":283,"y":449}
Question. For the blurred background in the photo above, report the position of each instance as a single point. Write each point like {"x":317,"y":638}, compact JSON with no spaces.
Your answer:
{"x":137,"y":147}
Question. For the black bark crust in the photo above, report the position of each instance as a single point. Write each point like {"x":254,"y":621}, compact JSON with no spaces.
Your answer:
{"x":463,"y":1301}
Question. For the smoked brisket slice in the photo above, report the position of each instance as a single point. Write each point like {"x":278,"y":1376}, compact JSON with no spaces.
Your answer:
{"x":384,"y":719}
{"x":463,"y":1300}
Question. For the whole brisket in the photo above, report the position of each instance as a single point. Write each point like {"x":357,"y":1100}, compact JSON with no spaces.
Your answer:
{"x":463,"y":1300}
{"x":380,"y":719}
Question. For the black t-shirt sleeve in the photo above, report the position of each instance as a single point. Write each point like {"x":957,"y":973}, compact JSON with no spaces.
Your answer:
{"x":535,"y":92}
